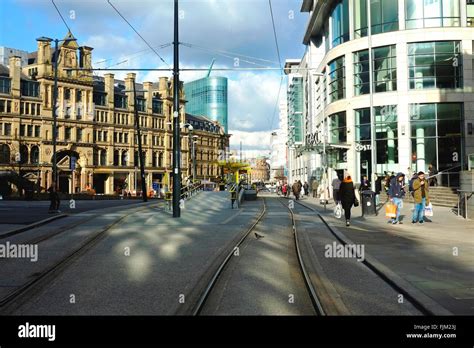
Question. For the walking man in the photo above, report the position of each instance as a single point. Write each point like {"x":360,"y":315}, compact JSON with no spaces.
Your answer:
{"x":306,"y":188}
{"x":336,"y":184}
{"x":396,"y":192}
{"x":421,"y":197}
{"x":296,"y":188}
{"x":314,"y":187}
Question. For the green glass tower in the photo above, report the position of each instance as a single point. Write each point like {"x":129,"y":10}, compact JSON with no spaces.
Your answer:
{"x":208,"y":97}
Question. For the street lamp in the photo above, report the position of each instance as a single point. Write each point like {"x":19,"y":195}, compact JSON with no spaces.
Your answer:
{"x":55,"y":97}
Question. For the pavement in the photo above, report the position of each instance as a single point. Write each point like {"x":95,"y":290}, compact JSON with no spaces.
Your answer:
{"x":436,"y":258}
{"x":147,"y":264}
{"x":16,"y":214}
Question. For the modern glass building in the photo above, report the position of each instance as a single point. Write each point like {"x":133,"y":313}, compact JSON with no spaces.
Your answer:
{"x":397,"y":71}
{"x":208,"y":97}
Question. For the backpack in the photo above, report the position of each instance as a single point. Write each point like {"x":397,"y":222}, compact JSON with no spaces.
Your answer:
{"x":410,"y":185}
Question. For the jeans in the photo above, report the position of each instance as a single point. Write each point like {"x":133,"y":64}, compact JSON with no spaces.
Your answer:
{"x":419,"y":211}
{"x":398,"y":202}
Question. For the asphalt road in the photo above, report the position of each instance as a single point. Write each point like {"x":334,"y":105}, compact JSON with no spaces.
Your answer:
{"x":27,"y":212}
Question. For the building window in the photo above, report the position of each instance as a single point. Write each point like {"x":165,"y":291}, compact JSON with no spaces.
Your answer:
{"x":4,"y":85}
{"x":67,"y":133}
{"x":436,"y":132}
{"x":141,"y":104}
{"x":37,"y":131}
{"x":383,"y":16}
{"x":67,"y":94}
{"x":124,"y":158}
{"x":157,"y":106}
{"x":30,"y":88}
{"x":360,"y":18}
{"x":385,"y":69}
{"x":435,"y":65}
{"x":120,"y":101}
{"x":34,"y":155}
{"x":99,"y":98}
{"x":78,"y":95}
{"x":30,"y":130}
{"x":361,"y":72}
{"x":23,"y":154}
{"x":337,"y":81}
{"x":22,"y":130}
{"x":470,"y":13}
{"x":338,"y":128}
{"x":154,"y":157}
{"x":103,"y":157}
{"x":386,"y":137}
{"x":7,"y":129}
{"x":116,"y":157}
{"x":79,"y":134}
{"x":432,"y":13}
{"x":340,"y":23}
{"x":4,"y":154}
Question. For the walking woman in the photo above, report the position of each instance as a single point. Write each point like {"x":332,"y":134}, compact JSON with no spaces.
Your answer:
{"x":347,"y":197}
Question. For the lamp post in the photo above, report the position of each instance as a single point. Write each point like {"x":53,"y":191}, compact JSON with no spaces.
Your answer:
{"x":55,"y":98}
{"x":194,"y":155}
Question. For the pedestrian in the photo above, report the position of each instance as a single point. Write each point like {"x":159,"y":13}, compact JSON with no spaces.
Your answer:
{"x":53,"y":199}
{"x":336,"y":183}
{"x":347,"y":197}
{"x":296,"y":188}
{"x":421,"y":195}
{"x":432,"y":174}
{"x":314,"y":187}
{"x":396,"y":193}
{"x":306,"y":188}
{"x":364,"y":184}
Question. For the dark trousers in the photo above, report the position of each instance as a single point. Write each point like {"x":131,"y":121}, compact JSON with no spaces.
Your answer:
{"x":347,"y":212}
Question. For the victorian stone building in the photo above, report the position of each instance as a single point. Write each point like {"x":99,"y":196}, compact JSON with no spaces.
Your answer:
{"x":96,"y":142}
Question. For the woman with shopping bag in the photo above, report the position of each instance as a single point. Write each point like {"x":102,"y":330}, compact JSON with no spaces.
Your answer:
{"x":421,"y":195}
{"x":347,"y":197}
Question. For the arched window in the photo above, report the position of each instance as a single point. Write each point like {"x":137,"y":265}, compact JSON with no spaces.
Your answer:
{"x":124,"y":158}
{"x":34,"y":155}
{"x":23,"y":154}
{"x":103,"y":157}
{"x":4,"y":153}
{"x":154,"y":159}
{"x":116,"y":157}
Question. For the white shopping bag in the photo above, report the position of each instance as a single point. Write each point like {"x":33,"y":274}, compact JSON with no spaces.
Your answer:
{"x":338,"y":211}
{"x":429,"y":210}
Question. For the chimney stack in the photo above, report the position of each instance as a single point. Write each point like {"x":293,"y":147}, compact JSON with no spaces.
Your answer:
{"x":109,"y":89}
{"x":15,"y":75}
{"x":147,"y":86}
{"x":129,"y":81}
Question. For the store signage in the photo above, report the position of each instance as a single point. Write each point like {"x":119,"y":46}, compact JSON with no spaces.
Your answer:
{"x":361,"y":148}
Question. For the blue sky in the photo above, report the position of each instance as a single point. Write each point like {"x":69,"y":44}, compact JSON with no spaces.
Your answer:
{"x":236,"y":26}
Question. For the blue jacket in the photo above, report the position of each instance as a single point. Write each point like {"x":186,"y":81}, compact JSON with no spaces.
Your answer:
{"x":396,"y":189}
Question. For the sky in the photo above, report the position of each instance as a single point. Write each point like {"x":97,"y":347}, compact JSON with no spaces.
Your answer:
{"x":234,"y":32}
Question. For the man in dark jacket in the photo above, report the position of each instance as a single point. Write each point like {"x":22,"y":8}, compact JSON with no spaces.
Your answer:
{"x":396,"y":192}
{"x":347,"y":197}
{"x":296,"y":188}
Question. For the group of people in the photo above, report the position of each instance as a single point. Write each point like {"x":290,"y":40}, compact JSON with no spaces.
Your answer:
{"x":418,"y":187}
{"x":298,"y":189}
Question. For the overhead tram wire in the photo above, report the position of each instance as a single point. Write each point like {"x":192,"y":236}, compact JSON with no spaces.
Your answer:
{"x":233,"y":54}
{"x":141,"y":37}
{"x":60,"y":15}
{"x":134,"y":54}
{"x":279,"y":60}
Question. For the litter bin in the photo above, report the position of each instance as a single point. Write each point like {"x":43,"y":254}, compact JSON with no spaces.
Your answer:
{"x":368,"y":203}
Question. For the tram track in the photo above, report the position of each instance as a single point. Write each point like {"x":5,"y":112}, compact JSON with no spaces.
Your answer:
{"x":207,"y":293}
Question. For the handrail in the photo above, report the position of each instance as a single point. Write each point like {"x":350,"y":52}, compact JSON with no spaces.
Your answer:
{"x":444,"y":171}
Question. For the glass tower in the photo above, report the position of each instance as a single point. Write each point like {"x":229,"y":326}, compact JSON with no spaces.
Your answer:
{"x":208,"y":97}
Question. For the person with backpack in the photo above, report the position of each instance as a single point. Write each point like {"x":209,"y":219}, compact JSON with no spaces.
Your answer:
{"x":421,"y":195}
{"x":396,"y":192}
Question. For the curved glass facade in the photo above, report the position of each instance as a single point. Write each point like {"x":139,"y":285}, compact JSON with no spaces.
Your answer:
{"x":208,"y":97}
{"x":340,"y":23}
